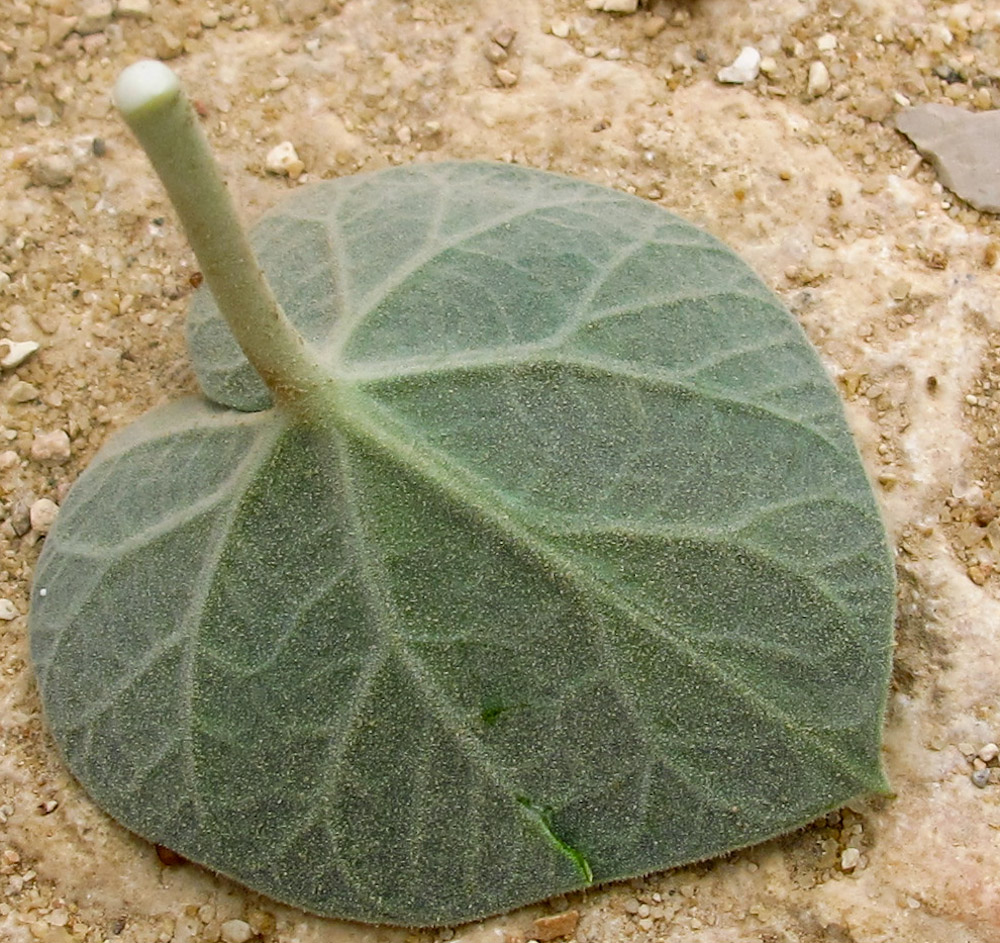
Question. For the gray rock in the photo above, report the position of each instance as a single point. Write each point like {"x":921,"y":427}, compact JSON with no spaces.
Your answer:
{"x":964,"y":148}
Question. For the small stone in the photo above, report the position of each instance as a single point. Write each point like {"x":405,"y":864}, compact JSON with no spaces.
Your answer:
{"x":506,"y":77}
{"x":899,"y":289}
{"x":819,"y":79}
{"x":59,"y":27}
{"x":25,"y":107}
{"x":19,"y":517}
{"x":745,"y":68}
{"x":503,"y":35}
{"x":826,"y":43}
{"x":95,"y":17}
{"x":962,"y":146}
{"x":556,"y":926}
{"x":284,"y":161}
{"x":236,"y":931}
{"x":22,"y":392}
{"x":980,"y":777}
{"x":875,"y":107}
{"x":168,"y":45}
{"x":850,"y":858}
{"x":51,"y":448}
{"x":495,"y":52}
{"x":43,"y":515}
{"x":559,"y":29}
{"x":989,"y":752}
{"x":14,"y":353}
{"x":614,"y":6}
{"x":653,"y":27}
{"x":8,"y":459}
{"x":8,"y":610}
{"x":53,"y":170}
{"x":136,"y":9}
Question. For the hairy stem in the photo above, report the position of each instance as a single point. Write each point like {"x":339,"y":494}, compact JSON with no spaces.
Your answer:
{"x":151,"y":100}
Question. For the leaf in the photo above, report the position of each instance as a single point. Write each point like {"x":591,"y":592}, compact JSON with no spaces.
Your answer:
{"x":577,"y":576}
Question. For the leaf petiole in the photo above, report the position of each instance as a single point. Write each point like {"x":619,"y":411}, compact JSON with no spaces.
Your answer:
{"x":150,"y":98}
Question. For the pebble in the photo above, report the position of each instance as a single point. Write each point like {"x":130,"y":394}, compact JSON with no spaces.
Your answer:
{"x":962,"y":146}
{"x":137,"y":9}
{"x":284,"y":161}
{"x":819,"y":79}
{"x":556,"y":926}
{"x":236,"y":931}
{"x":22,"y":392}
{"x":653,"y":27}
{"x":503,"y":36}
{"x":989,"y":752}
{"x":8,"y":610}
{"x":495,"y":52}
{"x":95,"y":18}
{"x":168,"y":45}
{"x":614,"y":6}
{"x":14,"y":353}
{"x":506,"y":77}
{"x":850,"y":858}
{"x":8,"y":459}
{"x":25,"y":107}
{"x":826,"y":43}
{"x":43,"y":515}
{"x":559,"y":29}
{"x":980,"y":777}
{"x":53,"y":170}
{"x":745,"y":68}
{"x":51,"y":448}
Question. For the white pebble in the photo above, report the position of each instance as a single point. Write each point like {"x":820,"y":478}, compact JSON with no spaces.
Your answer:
{"x":137,"y":9}
{"x":8,"y":610}
{"x":25,"y":107}
{"x":819,"y":79}
{"x":236,"y":931}
{"x":614,"y":6}
{"x":559,"y":29}
{"x":43,"y":513}
{"x":826,"y":43}
{"x":22,"y":392}
{"x":745,"y":67}
{"x":283,"y":161}
{"x":989,"y":752}
{"x":51,"y":448}
{"x":14,"y":353}
{"x":96,"y":16}
{"x":8,"y":459}
{"x":850,"y":859}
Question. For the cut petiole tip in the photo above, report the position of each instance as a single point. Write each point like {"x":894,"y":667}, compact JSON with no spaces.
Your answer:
{"x":145,"y":84}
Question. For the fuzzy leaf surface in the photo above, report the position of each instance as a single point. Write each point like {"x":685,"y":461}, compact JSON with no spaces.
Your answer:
{"x":573,"y":573}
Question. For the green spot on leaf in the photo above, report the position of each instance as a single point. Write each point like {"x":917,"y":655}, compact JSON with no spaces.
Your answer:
{"x":544,"y":819}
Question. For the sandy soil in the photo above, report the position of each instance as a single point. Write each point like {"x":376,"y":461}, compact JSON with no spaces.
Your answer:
{"x":895,"y":280}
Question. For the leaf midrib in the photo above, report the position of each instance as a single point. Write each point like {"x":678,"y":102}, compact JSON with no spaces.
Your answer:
{"x":377,"y":426}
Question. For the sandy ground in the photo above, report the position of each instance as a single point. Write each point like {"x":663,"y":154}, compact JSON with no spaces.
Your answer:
{"x":895,"y":280}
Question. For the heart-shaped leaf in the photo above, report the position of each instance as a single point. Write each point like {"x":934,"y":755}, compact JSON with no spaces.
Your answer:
{"x":570,"y":571}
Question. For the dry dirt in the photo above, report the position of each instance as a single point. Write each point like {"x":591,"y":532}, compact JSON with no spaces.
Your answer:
{"x":896,"y":281}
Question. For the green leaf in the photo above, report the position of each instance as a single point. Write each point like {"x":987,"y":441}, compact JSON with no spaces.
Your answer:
{"x":572,"y":573}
